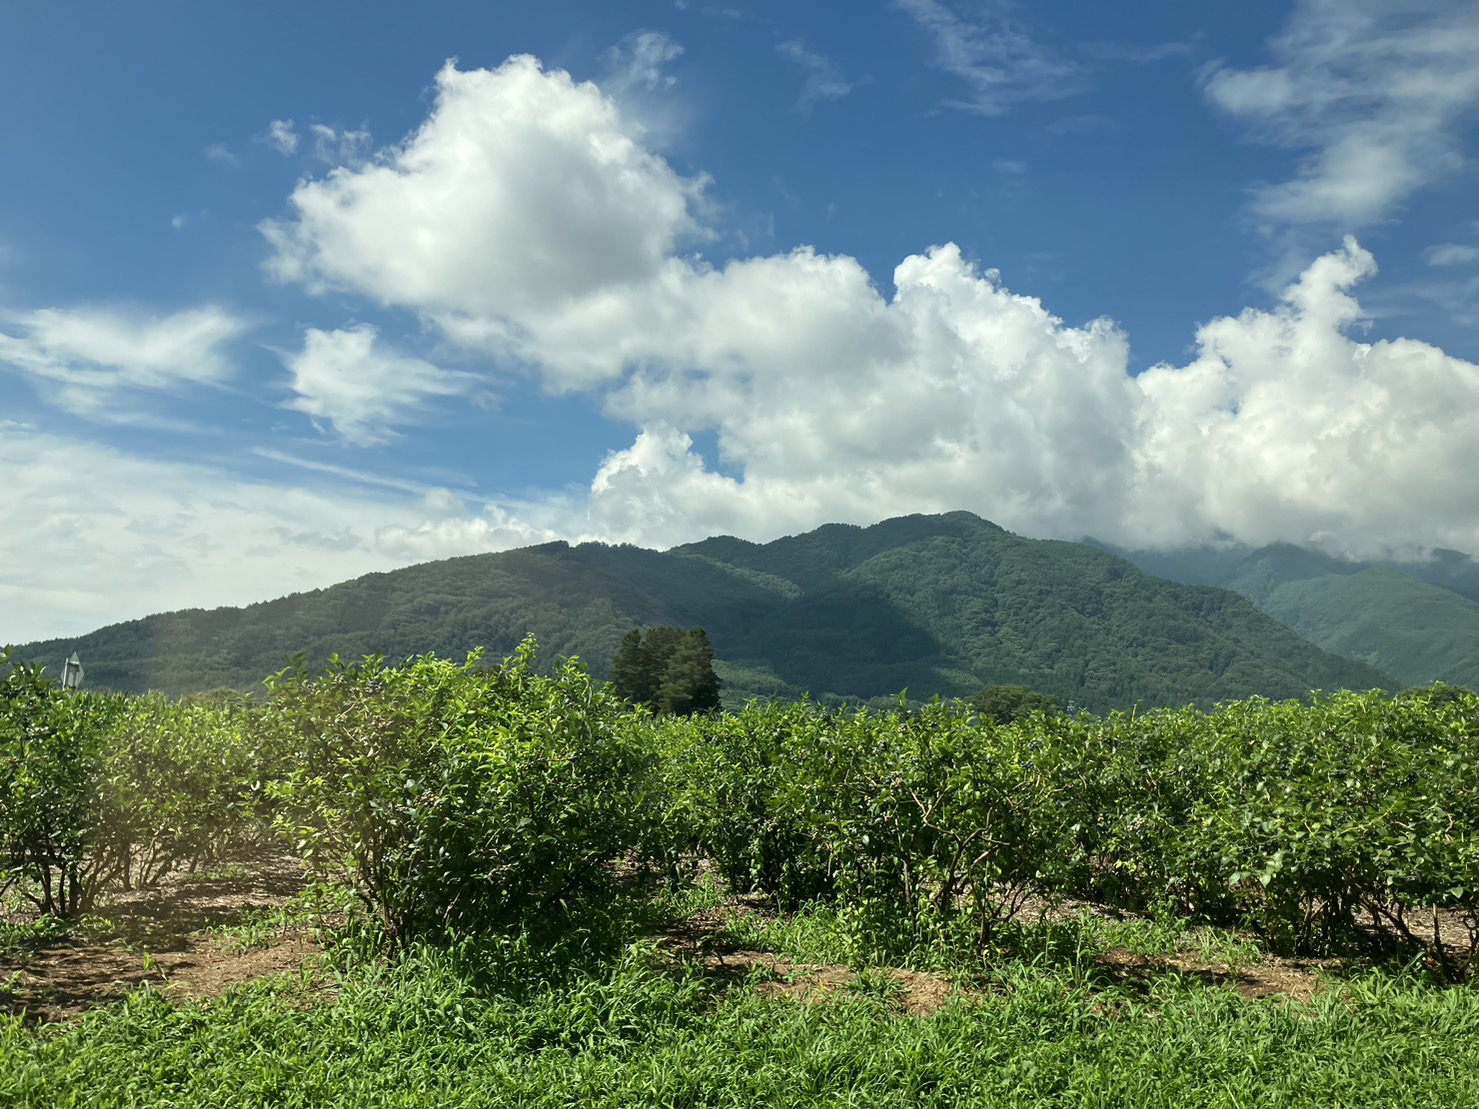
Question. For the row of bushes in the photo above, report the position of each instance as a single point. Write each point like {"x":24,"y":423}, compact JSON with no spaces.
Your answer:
{"x":458,"y":796}
{"x":102,"y":791}
{"x":450,"y":797}
{"x":1319,"y":825}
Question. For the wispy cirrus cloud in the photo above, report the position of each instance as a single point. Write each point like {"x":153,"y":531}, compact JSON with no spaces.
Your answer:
{"x":997,"y":59}
{"x":1451,"y":254}
{"x":362,"y":389}
{"x":93,"y":360}
{"x":333,"y":145}
{"x":281,"y":135}
{"x":338,"y":146}
{"x":1371,"y":92}
{"x":640,"y":61}
{"x":143,"y":535}
{"x":1136,"y":53}
{"x":823,"y":78}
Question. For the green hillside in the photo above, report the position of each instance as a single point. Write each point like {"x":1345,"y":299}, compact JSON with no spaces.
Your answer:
{"x":1418,"y":621}
{"x":1450,"y":569}
{"x":935,"y":604}
{"x":1417,"y":632}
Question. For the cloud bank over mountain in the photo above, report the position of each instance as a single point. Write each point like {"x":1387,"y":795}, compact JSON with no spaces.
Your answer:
{"x":526,"y":219}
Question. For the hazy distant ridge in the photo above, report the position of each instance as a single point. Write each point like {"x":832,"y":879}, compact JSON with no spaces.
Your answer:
{"x":1418,"y":621}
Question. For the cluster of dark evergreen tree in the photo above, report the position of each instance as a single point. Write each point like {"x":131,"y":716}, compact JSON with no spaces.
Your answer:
{"x":669,"y":670}
{"x":1006,"y":703}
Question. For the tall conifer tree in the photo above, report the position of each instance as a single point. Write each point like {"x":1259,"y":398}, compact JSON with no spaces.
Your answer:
{"x":668,"y":670}
{"x":690,"y":685}
{"x":630,"y":673}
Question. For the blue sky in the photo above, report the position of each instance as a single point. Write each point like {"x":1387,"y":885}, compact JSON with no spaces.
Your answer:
{"x":289,"y":293}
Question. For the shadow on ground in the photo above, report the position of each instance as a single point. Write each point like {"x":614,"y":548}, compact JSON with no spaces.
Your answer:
{"x":159,"y":936}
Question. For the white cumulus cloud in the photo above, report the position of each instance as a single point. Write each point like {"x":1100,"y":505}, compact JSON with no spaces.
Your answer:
{"x":1286,"y":428}
{"x":525,"y":199}
{"x":496,"y":528}
{"x":526,"y":218}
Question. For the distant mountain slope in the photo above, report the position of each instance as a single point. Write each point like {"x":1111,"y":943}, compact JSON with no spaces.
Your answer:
{"x":1451,"y":569}
{"x":1418,"y":621}
{"x":938,"y":604}
{"x":1415,"y":631}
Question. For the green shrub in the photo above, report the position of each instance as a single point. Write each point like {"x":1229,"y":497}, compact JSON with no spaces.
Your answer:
{"x":178,"y":783}
{"x":733,"y":782}
{"x":1323,"y":826}
{"x":938,"y":825}
{"x":916,"y":825}
{"x":456,"y":798}
{"x":49,"y":743}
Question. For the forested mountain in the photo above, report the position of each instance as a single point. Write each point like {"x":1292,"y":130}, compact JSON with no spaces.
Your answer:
{"x":935,"y":604}
{"x":1418,"y":621}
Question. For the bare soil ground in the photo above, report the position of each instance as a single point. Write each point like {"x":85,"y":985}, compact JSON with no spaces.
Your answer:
{"x":160,"y":936}
{"x":1292,"y":979}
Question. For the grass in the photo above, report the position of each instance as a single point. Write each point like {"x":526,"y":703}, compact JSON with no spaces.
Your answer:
{"x":318,"y":909}
{"x":813,"y":936}
{"x":590,"y":1014}
{"x":424,"y":1033}
{"x":1165,"y":936}
{"x":18,"y":939}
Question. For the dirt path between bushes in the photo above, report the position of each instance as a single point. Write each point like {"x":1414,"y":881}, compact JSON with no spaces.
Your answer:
{"x":160,"y":936}
{"x":921,"y":993}
{"x":163,"y":936}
